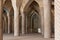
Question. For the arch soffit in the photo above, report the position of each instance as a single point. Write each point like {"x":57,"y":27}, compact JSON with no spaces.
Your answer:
{"x":34,"y":12}
{"x":27,"y":3}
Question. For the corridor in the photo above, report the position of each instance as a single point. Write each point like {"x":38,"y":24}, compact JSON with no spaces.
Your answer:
{"x":27,"y":20}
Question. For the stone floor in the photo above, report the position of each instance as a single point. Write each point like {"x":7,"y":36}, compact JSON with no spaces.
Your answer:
{"x":25,"y":37}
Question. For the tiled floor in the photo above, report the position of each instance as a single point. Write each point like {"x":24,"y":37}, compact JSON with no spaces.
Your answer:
{"x":25,"y":37}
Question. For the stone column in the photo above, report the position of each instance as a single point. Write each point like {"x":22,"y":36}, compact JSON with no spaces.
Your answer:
{"x":1,"y":22}
{"x":8,"y":15}
{"x":5,"y":20}
{"x":57,"y":19}
{"x":42,"y":20}
{"x":3,"y":26}
{"x":47,"y":18}
{"x":16,"y":22}
{"x":16,"y":17}
{"x":23,"y":22}
{"x":26,"y":24}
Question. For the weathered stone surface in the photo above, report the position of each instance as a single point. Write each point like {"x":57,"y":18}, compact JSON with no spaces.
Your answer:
{"x":57,"y":19}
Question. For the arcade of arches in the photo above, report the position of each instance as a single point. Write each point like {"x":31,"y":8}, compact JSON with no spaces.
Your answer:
{"x":22,"y":18}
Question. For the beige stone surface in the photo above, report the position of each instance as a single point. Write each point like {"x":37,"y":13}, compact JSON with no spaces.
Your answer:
{"x":57,"y":19}
{"x":47,"y":18}
{"x":26,"y":37}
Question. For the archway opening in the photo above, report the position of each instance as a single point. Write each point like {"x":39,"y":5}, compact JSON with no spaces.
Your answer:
{"x":5,"y":21}
{"x":33,"y":24}
{"x":34,"y":21}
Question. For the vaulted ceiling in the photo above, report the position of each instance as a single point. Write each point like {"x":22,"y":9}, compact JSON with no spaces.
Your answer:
{"x":8,"y":4}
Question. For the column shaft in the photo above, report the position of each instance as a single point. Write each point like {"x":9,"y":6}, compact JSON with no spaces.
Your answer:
{"x":1,"y":26}
{"x":26,"y":24}
{"x":42,"y":21}
{"x":16,"y":17}
{"x":5,"y":20}
{"x":16,"y":22}
{"x":23,"y":21}
{"x":8,"y":15}
{"x":47,"y":18}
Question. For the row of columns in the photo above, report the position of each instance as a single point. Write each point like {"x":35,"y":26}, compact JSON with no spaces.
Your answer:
{"x":16,"y":18}
{"x":47,"y":25}
{"x":6,"y":24}
{"x":47,"y":19}
{"x":9,"y":21}
{"x":47,"y":15}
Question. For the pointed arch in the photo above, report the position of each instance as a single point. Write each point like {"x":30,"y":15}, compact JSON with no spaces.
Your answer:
{"x":33,"y":4}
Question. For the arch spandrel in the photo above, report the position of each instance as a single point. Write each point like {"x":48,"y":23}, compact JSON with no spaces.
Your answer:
{"x":31,"y":6}
{"x":24,"y":3}
{"x":28,"y":2}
